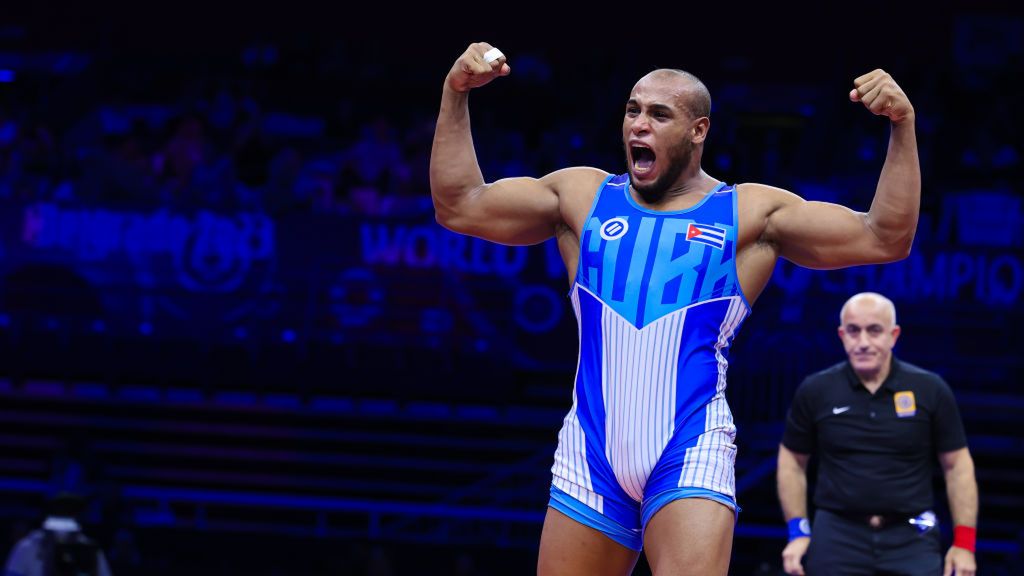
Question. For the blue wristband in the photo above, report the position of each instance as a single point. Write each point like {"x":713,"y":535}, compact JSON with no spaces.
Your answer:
{"x":799,"y":528}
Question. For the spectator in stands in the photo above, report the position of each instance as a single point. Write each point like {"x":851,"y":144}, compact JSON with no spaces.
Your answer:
{"x":193,"y":173}
{"x":377,"y":157}
{"x":874,"y":423}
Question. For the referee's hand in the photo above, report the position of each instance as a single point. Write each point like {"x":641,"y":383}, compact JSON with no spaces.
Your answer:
{"x":793,"y":554}
{"x":960,"y":562}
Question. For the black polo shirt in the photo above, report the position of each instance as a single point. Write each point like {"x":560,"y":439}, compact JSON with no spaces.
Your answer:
{"x":875,"y":452}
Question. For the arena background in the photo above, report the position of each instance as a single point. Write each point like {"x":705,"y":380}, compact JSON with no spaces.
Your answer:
{"x":228,"y":317}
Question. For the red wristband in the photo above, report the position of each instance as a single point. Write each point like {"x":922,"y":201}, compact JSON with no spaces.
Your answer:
{"x":964,"y":537}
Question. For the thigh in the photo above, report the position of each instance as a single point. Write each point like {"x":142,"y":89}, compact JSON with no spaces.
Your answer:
{"x":839,"y":547}
{"x":568,"y":548}
{"x":690,"y":536}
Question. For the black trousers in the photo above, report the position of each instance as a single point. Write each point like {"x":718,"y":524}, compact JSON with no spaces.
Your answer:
{"x":842,"y":546}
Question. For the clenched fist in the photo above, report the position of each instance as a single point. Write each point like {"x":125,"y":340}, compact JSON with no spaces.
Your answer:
{"x":880,"y":94}
{"x":472,"y":71}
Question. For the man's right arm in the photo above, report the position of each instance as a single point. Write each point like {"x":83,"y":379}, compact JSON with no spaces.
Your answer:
{"x":791,"y":477}
{"x":515,"y":211}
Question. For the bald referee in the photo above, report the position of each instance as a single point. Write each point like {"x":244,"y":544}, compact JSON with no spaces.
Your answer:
{"x":875,"y":423}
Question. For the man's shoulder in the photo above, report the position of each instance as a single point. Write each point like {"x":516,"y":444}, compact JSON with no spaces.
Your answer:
{"x":914,"y":374}
{"x":913,"y":368}
{"x":758,"y":202}
{"x":577,"y":179}
{"x":826,"y":375}
{"x":821,"y":380}
{"x":576,"y":188}
{"x":757,"y":193}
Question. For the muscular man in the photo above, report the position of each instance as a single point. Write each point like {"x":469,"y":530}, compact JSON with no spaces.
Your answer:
{"x":876,"y":424}
{"x":664,"y":262}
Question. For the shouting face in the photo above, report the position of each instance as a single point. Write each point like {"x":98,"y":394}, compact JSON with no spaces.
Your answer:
{"x":662,"y":128}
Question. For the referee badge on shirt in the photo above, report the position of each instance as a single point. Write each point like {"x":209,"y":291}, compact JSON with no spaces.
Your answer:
{"x":905,"y":404}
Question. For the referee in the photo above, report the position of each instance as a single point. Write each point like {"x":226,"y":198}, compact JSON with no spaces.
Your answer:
{"x":874,"y":423}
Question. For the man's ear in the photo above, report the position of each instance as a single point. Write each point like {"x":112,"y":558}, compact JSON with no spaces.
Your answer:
{"x":700,"y":128}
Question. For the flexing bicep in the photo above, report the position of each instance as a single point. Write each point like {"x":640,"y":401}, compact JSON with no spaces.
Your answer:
{"x":824,"y":235}
{"x":514,"y":211}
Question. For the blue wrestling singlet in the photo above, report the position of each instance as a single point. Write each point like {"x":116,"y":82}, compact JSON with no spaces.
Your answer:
{"x":657,"y":303}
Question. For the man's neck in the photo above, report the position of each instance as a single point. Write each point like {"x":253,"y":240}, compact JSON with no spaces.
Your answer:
{"x":873,"y":380}
{"x":696,"y":184}
{"x":693,"y":181}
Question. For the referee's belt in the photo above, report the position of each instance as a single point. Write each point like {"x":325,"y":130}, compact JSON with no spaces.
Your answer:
{"x":878,"y":521}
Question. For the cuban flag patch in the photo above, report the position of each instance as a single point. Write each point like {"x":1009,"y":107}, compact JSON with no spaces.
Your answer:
{"x":706,"y":234}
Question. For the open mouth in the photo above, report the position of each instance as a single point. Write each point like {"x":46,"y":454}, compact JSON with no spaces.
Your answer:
{"x":643,"y":159}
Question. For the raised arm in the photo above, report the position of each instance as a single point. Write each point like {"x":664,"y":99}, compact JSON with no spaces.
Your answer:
{"x":510,"y":211}
{"x":824,"y":235}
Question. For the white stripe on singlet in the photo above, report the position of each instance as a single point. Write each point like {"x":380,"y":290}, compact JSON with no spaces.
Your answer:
{"x":709,"y":464}
{"x":571,"y":473}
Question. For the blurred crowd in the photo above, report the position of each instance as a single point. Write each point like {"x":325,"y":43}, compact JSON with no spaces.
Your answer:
{"x":271,"y":129}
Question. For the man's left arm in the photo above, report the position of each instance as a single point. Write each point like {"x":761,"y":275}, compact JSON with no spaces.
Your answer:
{"x":962,"y":491}
{"x":826,"y":235}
